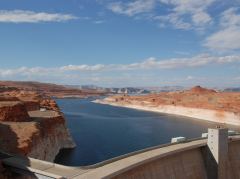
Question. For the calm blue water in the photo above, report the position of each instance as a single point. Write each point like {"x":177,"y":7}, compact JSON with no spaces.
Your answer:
{"x":102,"y":132}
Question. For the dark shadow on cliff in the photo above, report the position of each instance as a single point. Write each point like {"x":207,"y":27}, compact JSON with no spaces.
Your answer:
{"x":8,"y":138}
{"x":8,"y":149}
{"x":64,"y":156}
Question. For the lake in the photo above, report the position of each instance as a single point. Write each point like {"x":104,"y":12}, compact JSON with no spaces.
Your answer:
{"x":102,"y":132}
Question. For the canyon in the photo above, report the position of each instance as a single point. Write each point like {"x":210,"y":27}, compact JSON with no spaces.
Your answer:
{"x":197,"y":102}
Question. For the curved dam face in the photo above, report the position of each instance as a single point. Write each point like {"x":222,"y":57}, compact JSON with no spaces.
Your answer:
{"x":181,"y":165}
{"x":190,"y":164}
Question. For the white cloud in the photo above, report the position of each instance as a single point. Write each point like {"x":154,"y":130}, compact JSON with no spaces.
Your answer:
{"x":189,"y":78}
{"x":99,"y":22}
{"x":201,"y":18}
{"x":174,"y":20}
{"x":196,"y":10}
{"x":196,"y":61}
{"x":186,"y":6}
{"x":110,"y":74}
{"x":20,"y":16}
{"x":182,"y":14}
{"x":224,"y":40}
{"x":82,"y":67}
{"x":230,"y":18}
{"x":228,"y":37}
{"x":150,"y":63}
{"x":132,"y":8}
{"x":153,"y":63}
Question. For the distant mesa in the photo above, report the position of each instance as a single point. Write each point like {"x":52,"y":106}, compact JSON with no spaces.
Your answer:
{"x":46,"y":89}
{"x":199,"y":89}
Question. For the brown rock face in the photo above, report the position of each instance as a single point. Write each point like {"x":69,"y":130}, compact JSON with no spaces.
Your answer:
{"x":49,"y":104}
{"x":8,"y":98}
{"x":31,"y":105}
{"x":199,"y":89}
{"x":42,"y":138}
{"x":27,"y":130}
{"x":14,"y":111}
{"x":196,"y":97}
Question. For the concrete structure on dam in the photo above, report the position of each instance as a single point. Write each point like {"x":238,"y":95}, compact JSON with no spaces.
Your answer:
{"x":215,"y":157}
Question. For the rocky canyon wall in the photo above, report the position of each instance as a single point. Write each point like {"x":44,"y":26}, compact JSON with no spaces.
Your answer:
{"x":27,"y":130}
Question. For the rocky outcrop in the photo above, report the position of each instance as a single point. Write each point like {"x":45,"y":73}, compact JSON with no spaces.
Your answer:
{"x":31,"y":105}
{"x":52,"y":134}
{"x":29,"y":98}
{"x":14,"y":111}
{"x":8,"y":98}
{"x":49,"y":146}
{"x":199,"y":89}
{"x":49,"y":104}
{"x":28,"y":131}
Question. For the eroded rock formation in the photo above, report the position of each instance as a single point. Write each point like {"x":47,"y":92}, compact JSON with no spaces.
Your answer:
{"x":14,"y":111}
{"x":27,"y":130}
{"x":197,"y":102}
{"x":49,"y":104}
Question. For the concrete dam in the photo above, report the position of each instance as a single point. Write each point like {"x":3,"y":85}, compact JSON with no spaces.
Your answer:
{"x":215,"y":156}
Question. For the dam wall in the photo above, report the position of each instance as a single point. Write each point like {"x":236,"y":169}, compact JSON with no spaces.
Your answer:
{"x":181,"y":165}
{"x":186,"y":160}
{"x":190,"y":164}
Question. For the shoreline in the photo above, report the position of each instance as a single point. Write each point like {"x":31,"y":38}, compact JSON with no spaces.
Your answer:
{"x":222,"y":117}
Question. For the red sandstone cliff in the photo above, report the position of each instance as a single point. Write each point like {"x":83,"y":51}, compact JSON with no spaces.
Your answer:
{"x":49,"y":104}
{"x":25,"y":130}
{"x":14,"y":111}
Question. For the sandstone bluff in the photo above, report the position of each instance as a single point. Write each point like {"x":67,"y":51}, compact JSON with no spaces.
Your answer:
{"x":197,"y":102}
{"x":32,"y":125}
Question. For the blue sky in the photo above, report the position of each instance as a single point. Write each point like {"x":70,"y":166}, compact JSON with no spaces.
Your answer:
{"x":121,"y":43}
